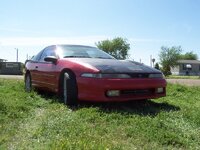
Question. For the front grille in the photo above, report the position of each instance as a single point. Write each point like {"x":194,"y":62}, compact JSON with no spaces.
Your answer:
{"x":139,"y":75}
{"x":137,"y":92}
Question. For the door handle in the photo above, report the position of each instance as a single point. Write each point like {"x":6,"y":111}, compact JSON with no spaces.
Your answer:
{"x":36,"y":67}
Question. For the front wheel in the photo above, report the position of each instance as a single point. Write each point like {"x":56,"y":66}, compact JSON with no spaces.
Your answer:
{"x":69,"y":89}
{"x":28,"y":83}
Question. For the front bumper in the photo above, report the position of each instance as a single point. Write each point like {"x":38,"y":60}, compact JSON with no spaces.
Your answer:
{"x":92,"y":89}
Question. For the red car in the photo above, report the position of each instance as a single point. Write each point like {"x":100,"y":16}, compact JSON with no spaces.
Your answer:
{"x":86,"y":73}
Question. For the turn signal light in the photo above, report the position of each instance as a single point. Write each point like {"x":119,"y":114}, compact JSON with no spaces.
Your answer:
{"x":112,"y":93}
{"x":160,"y":90}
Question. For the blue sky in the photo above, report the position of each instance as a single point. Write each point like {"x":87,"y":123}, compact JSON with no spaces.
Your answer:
{"x":147,"y":24}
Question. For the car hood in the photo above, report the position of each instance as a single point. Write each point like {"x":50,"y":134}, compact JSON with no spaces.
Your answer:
{"x":115,"y":66}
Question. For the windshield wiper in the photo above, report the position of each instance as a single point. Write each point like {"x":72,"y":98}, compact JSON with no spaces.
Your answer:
{"x":103,"y":57}
{"x":76,"y":57}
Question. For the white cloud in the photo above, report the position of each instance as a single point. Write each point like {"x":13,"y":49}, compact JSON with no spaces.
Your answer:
{"x":31,"y":45}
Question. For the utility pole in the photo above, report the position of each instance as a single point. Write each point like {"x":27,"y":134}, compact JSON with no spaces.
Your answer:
{"x":151,"y":60}
{"x":17,"y":54}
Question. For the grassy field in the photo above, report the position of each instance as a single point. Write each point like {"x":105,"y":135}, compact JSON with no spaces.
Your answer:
{"x":35,"y":121}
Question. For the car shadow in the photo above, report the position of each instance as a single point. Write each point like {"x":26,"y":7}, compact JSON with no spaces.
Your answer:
{"x":139,"y":107}
{"x":143,"y":108}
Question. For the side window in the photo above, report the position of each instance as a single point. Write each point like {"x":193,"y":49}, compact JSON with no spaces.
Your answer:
{"x":187,"y":67}
{"x":49,"y":51}
{"x":37,"y":57}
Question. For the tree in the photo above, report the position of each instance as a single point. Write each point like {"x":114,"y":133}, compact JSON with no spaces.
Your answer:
{"x":169,"y":57}
{"x":117,"y":47}
{"x":189,"y":56}
{"x":157,"y":66}
{"x":153,"y":61}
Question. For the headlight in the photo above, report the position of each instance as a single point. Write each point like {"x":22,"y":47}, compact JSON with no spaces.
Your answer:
{"x":100,"y":75}
{"x":158,"y":75}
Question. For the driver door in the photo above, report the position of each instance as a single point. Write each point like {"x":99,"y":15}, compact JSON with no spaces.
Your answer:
{"x":47,"y":70}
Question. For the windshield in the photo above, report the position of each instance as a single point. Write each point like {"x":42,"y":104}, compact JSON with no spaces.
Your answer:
{"x":67,"y":51}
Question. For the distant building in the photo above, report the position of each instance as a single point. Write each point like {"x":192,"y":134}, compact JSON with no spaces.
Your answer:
{"x":3,"y":60}
{"x":11,"y":68}
{"x":187,"y":67}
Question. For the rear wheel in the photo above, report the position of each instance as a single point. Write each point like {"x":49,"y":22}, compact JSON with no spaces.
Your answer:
{"x":69,"y":89}
{"x":28,"y":83}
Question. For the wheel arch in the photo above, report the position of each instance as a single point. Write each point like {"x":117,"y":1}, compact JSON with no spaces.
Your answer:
{"x":60,"y":83}
{"x":27,"y":81}
{"x":27,"y":72}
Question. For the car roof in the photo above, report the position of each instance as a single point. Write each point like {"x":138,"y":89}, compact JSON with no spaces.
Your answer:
{"x":73,"y":45}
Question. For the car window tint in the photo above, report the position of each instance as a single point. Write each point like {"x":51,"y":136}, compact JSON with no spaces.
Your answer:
{"x":49,"y":51}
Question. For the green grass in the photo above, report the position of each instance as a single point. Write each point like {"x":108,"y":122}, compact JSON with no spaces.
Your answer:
{"x":182,"y":77}
{"x":35,"y":121}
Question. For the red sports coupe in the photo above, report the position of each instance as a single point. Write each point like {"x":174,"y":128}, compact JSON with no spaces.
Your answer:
{"x":77,"y":72}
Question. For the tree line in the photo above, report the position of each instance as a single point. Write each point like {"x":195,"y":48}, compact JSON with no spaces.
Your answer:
{"x":168,"y":56}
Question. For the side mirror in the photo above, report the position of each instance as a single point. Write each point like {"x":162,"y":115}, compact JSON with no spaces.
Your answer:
{"x":52,"y":59}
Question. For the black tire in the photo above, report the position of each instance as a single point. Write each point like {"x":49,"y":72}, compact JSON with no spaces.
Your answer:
{"x":28,"y":83}
{"x":69,"y":95}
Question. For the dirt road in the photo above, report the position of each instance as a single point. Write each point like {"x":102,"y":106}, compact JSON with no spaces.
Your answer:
{"x":19,"y":77}
{"x":188,"y":82}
